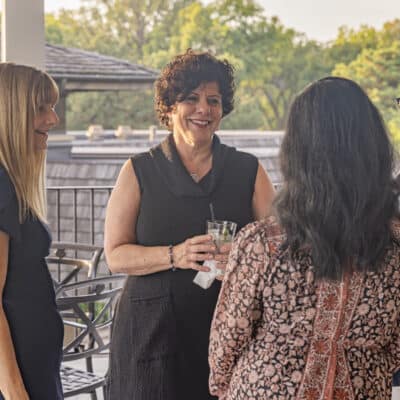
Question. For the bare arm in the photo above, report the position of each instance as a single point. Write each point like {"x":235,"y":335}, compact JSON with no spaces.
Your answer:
{"x":122,"y":252}
{"x":11,"y":384}
{"x":264,"y":194}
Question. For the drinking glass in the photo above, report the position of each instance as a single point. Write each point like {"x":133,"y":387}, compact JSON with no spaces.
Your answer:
{"x":222,"y":232}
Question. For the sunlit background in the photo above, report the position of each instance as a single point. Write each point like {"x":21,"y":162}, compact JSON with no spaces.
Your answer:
{"x":276,"y":46}
{"x":318,"y":19}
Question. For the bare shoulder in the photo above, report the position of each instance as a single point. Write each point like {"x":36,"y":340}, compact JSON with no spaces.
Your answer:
{"x":126,"y":187}
{"x":126,"y":191}
{"x":122,"y":209}
{"x":263,"y":195}
{"x":127,"y":174}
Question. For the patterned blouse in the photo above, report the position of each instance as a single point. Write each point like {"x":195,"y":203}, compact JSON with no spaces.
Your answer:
{"x":279,"y":334}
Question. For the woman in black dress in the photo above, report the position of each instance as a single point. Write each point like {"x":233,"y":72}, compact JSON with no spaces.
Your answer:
{"x":31,"y":330}
{"x":155,"y":232}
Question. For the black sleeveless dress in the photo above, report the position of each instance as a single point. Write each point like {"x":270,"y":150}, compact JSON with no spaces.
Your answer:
{"x":160,"y":337}
{"x":29,"y":301}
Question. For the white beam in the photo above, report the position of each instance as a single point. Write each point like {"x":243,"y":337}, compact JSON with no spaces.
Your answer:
{"x":22,"y":32}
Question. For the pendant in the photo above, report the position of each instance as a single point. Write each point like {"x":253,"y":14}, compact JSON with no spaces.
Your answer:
{"x":195,"y":177}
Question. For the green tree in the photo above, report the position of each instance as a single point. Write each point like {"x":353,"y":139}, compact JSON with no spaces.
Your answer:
{"x":121,"y":28}
{"x":272,"y":62}
{"x":377,"y":71}
{"x":349,"y":43}
{"x":111,"y":109}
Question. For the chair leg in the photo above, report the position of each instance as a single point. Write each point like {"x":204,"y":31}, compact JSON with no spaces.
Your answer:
{"x":89,"y":364}
{"x":105,"y":397}
{"x":93,"y":395}
{"x":106,"y":385}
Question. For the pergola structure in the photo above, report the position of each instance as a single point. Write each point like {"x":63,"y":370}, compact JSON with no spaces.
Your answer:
{"x":77,"y":70}
{"x":74,"y":70}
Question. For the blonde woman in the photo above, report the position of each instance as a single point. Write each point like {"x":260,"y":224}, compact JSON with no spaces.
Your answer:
{"x":31,"y":330}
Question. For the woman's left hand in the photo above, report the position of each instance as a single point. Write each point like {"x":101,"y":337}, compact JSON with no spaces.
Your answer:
{"x":222,"y":258}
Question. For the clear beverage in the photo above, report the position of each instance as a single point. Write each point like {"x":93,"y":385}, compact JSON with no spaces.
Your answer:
{"x":221,"y":231}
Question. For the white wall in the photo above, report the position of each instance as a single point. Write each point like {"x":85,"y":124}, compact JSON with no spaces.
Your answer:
{"x":22,"y":32}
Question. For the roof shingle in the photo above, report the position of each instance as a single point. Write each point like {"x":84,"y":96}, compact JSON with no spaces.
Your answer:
{"x":70,"y":63}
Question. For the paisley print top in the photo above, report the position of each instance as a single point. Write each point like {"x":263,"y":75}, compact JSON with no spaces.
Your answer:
{"x":280,"y":334}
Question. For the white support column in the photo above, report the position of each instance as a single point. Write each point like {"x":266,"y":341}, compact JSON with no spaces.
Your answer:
{"x":22,"y":32}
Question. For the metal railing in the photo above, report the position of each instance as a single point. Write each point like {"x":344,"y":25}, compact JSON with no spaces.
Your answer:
{"x":76,"y":213}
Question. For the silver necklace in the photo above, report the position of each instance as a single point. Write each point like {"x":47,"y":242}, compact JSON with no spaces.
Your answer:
{"x":194,"y":176}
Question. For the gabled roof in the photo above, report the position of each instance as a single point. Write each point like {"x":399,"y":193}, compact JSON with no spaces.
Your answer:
{"x":81,"y":70}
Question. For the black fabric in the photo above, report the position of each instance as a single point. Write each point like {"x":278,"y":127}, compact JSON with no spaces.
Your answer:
{"x":29,"y":301}
{"x":396,"y":379}
{"x":9,"y":222}
{"x":160,"y":336}
{"x":174,"y":174}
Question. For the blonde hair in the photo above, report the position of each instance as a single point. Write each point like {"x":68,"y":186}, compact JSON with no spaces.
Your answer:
{"x":23,"y":90}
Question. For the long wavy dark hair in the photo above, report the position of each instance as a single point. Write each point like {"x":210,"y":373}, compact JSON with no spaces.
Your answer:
{"x":338,"y":195}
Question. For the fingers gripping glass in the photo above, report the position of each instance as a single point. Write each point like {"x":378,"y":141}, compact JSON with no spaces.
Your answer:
{"x":222,"y":232}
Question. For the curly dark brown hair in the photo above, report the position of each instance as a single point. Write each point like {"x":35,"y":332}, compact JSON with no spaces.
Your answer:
{"x":185,"y":73}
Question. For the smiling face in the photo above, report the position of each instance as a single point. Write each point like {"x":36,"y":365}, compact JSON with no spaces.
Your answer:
{"x":197,"y":117}
{"x":44,"y":120}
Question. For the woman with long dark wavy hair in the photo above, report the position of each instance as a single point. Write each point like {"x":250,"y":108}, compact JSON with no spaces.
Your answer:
{"x":309,"y":306}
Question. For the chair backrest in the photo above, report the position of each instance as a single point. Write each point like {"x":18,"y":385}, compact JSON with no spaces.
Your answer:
{"x":88,"y":307}
{"x":67,"y":260}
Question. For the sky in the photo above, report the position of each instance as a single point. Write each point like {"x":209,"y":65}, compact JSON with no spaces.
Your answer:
{"x":318,"y":19}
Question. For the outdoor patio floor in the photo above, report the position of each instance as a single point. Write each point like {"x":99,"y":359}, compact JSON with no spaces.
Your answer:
{"x":101,"y":365}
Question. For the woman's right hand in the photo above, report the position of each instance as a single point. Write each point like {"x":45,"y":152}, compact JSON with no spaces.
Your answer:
{"x":188,"y":254}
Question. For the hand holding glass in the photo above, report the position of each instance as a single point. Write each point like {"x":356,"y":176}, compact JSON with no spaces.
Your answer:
{"x":222,"y":232}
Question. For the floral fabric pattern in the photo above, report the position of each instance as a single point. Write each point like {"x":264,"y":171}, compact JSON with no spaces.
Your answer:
{"x":280,"y":334}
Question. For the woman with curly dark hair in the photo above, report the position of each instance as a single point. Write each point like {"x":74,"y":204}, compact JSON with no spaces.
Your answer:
{"x":155,"y":232}
{"x":309,"y":308}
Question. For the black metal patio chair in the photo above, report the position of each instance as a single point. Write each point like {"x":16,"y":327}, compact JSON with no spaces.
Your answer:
{"x":70,"y":262}
{"x":92,"y":330}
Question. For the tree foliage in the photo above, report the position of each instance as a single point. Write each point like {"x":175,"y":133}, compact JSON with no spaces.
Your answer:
{"x":272,"y":61}
{"x":377,"y":71}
